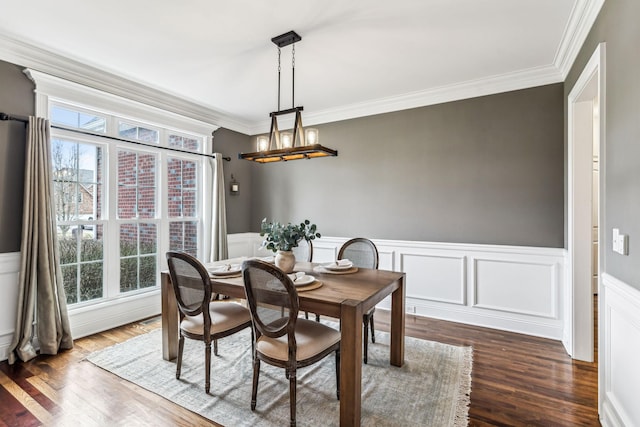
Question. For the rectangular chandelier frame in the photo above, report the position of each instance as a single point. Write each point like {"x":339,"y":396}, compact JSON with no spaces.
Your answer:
{"x":275,"y":152}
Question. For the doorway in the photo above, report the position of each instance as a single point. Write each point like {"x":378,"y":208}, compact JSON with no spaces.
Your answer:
{"x":585,"y":198}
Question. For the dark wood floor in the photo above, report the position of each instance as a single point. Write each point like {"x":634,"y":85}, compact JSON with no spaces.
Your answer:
{"x":517,"y":380}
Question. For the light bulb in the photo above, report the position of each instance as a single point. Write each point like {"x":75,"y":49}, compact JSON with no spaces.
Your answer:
{"x":287,"y":140}
{"x":263,"y":143}
{"x":311,"y":136}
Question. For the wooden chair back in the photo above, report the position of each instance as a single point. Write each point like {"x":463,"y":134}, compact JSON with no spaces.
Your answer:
{"x":304,"y":251}
{"x":272,"y":299}
{"x":191,"y":284}
{"x":361,"y":251}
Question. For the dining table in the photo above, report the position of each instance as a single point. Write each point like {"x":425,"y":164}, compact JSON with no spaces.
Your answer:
{"x":345,"y":296}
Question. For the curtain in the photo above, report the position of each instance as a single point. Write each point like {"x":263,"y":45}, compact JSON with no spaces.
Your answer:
{"x":41,"y":297}
{"x":219,"y":249}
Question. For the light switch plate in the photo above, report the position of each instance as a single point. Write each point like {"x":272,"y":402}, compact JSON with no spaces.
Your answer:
{"x":620,"y":242}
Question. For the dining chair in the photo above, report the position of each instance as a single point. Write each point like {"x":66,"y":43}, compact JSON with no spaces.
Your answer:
{"x":201,"y":318}
{"x":363,"y":253}
{"x":304,"y":252}
{"x":281,"y":338}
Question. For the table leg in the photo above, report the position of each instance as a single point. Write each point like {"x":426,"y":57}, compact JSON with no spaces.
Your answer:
{"x":169,"y":319}
{"x":397,"y":324}
{"x":350,"y":363}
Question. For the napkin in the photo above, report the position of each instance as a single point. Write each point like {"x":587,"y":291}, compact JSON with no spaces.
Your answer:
{"x":296,"y":276}
{"x":343,"y":262}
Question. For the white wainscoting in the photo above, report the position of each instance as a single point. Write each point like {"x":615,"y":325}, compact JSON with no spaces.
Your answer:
{"x":512,"y":288}
{"x":84,"y":321}
{"x":619,"y":380}
{"x":9,"y":270}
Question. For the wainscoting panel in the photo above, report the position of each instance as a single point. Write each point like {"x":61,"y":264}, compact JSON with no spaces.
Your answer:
{"x":619,"y":369}
{"x":9,"y":270}
{"x":99,"y":317}
{"x":435,"y":278}
{"x":244,"y":244}
{"x":519,"y":289}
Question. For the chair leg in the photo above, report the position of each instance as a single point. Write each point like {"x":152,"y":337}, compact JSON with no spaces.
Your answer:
{"x":338,"y":373}
{"x":292,"y":396}
{"x":306,"y":315}
{"x":365,"y":339}
{"x":254,"y":389}
{"x":373,"y":331}
{"x":215,"y":347}
{"x":180,"y":348}
{"x":317,"y":317}
{"x":207,"y":367}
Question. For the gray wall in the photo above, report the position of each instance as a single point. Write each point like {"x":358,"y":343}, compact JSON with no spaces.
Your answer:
{"x":229,"y":144}
{"x":16,"y":97}
{"x":617,"y":25}
{"x":482,"y":170}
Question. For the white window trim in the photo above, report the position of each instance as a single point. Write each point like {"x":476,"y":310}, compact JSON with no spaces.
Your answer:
{"x":87,"y":319}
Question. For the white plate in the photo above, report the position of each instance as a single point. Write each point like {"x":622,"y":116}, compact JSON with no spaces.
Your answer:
{"x":304,"y":280}
{"x":334,"y":267}
{"x":225,"y":270}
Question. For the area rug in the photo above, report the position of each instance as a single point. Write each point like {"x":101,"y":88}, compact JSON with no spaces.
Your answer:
{"x":431,"y":389}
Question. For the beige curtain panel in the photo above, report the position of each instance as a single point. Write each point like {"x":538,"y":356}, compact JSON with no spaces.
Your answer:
{"x":42,"y":321}
{"x":219,"y":248}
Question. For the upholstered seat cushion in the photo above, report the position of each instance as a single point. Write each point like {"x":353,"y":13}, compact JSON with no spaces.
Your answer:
{"x":224,"y":316}
{"x":311,"y":338}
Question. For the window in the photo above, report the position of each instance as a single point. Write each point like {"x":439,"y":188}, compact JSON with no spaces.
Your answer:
{"x":137,"y":206}
{"x":182,"y":190}
{"x":65,"y":116}
{"x":184,"y":142}
{"x":138,"y":133}
{"x":114,"y":222}
{"x":78,"y":168}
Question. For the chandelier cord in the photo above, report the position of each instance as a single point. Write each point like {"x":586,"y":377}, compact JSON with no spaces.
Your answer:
{"x":293,"y":75}
{"x":279,"y":78}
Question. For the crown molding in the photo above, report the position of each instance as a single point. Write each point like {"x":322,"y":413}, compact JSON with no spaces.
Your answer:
{"x":583,"y":15}
{"x":580,"y":22}
{"x":470,"y":89}
{"x":47,"y":62}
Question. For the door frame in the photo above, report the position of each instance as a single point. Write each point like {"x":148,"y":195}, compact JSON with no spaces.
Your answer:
{"x":579,"y":318}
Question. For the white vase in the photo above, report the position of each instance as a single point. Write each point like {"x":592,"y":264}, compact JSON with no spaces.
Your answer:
{"x":285,"y":261}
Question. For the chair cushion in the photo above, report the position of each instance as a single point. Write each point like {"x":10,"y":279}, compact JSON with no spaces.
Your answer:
{"x":224,"y":316}
{"x":311,"y":337}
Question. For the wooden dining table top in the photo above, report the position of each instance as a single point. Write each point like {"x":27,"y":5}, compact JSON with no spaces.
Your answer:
{"x":369,"y":286}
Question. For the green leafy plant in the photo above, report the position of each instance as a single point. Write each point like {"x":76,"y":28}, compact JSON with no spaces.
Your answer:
{"x":281,"y":237}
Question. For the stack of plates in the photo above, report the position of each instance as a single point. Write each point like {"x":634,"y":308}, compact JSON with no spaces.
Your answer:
{"x":226,"y":270}
{"x":342,"y":266}
{"x":339,"y":265}
{"x":301,"y":279}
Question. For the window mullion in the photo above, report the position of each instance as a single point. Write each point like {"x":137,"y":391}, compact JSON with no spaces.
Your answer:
{"x":163,"y":221}
{"x":112,"y":227}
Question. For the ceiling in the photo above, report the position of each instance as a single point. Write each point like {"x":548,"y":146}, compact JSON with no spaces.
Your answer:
{"x":355,"y":58}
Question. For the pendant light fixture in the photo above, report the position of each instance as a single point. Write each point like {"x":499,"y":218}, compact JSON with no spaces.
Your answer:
{"x":299,"y":143}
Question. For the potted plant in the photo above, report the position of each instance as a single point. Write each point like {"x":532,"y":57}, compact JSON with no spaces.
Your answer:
{"x":281,"y":239}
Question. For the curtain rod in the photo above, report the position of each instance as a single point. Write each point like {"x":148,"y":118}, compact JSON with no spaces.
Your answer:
{"x":24,"y":119}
